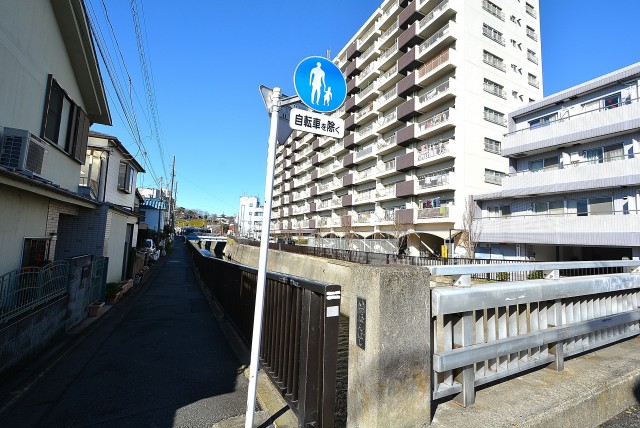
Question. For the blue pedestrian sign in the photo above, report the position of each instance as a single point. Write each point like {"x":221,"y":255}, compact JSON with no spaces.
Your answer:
{"x":319,"y":84}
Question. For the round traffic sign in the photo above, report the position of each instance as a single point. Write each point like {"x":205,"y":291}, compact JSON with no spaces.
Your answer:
{"x":320,"y":84}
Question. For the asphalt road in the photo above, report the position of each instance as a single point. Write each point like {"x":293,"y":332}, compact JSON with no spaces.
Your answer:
{"x":630,"y":418}
{"x":156,"y":359}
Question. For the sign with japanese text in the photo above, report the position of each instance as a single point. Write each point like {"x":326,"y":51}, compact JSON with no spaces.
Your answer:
{"x":315,"y":123}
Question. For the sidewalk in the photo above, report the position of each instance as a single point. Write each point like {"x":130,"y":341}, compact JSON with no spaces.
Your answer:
{"x":158,"y":358}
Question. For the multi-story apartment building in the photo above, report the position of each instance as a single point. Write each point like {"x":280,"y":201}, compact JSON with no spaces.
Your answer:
{"x":429,"y":86}
{"x":573,"y":189}
{"x":250,"y":217}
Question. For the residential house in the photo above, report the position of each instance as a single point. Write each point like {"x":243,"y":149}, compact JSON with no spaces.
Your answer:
{"x":573,"y":188}
{"x":108,"y":176}
{"x":250,"y":217}
{"x":51,"y":91}
{"x":154,"y":214}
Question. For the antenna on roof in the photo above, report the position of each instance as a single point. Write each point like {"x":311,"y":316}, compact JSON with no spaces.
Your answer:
{"x":329,"y":54}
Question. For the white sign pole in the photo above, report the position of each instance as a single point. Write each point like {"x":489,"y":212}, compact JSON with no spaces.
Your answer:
{"x":262,"y":261}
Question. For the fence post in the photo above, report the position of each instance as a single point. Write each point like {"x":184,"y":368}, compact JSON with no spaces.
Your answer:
{"x":463,"y":336}
{"x":556,"y":348}
{"x":308,"y":386}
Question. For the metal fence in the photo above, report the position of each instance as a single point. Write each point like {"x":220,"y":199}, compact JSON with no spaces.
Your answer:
{"x":483,"y":333}
{"x":298,"y":348}
{"x":98,"y":279}
{"x":23,"y":289}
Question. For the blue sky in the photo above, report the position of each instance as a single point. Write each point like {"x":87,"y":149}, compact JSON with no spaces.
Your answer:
{"x":208,"y":58}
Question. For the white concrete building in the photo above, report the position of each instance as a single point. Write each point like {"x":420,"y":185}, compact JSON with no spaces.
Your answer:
{"x":429,"y":86}
{"x":573,"y":189}
{"x":249,"y":219}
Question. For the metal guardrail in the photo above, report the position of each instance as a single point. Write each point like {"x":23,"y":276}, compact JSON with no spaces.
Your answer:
{"x":23,"y":289}
{"x":298,"y":348}
{"x":489,"y":332}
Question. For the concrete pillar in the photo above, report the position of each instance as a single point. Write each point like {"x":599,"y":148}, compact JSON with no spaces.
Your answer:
{"x":390,"y":379}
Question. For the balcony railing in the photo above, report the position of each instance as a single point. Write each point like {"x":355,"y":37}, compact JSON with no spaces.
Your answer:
{"x":429,"y":17}
{"x":493,"y":35}
{"x":494,"y":61}
{"x":495,"y":117}
{"x":364,"y":111}
{"x":534,"y":82}
{"x":390,"y":165}
{"x":366,"y":150}
{"x":426,"y":45}
{"x":438,"y":212}
{"x":434,"y":180}
{"x":532,"y":57}
{"x":389,"y":31}
{"x":387,"y":191}
{"x":387,"y":74}
{"x":532,"y":34}
{"x":387,"y":118}
{"x":389,"y":52}
{"x":493,"y":9}
{"x":433,"y":64}
{"x":391,"y":93}
{"x":531,"y":11}
{"x":364,"y":131}
{"x":435,"y":120}
{"x":430,"y":150}
{"x":386,"y":142}
{"x":365,"y":173}
{"x":438,"y":90}
{"x":495,"y":90}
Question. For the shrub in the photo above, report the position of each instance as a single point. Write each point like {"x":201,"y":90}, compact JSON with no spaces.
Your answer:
{"x":536,"y":274}
{"x":113,"y":288}
{"x":503,"y":276}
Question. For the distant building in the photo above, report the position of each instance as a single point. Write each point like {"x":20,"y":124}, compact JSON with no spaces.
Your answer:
{"x":250,"y":217}
{"x":573,"y":188}
{"x":154,"y":214}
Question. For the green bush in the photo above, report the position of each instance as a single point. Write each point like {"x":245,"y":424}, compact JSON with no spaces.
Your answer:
{"x":536,"y":274}
{"x":113,"y":288}
{"x":502,"y":276}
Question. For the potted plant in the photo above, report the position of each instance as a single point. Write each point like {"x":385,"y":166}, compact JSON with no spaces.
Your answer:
{"x":113,"y":292}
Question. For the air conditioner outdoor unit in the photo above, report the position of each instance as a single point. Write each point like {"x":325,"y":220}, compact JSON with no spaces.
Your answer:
{"x":22,"y":151}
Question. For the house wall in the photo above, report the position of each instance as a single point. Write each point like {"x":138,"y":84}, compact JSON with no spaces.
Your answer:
{"x":31,"y":48}
{"x":83,"y":234}
{"x":25,"y":215}
{"x":115,"y":243}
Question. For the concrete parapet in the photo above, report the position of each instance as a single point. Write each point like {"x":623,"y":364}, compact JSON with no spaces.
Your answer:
{"x":389,"y":378}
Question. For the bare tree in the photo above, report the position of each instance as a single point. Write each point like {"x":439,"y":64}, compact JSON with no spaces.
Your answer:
{"x":402,"y":224}
{"x":471,"y":228}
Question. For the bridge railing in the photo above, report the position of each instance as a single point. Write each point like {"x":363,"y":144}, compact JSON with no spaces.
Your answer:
{"x":298,"y":348}
{"x":486,"y":332}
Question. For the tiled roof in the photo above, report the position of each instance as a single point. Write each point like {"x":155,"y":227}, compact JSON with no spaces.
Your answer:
{"x":153,"y":203}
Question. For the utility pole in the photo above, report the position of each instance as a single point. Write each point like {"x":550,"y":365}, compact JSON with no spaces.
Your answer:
{"x":171,"y":199}
{"x":160,"y":210}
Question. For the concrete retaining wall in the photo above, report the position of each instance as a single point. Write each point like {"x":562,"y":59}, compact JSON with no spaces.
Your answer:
{"x":389,"y":374}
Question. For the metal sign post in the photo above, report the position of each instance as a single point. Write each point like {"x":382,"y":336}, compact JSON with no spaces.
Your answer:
{"x":262,"y":260}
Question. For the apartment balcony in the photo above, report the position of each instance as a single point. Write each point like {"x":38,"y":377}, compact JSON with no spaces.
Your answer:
{"x":386,"y":145}
{"x":386,"y":193}
{"x":365,"y":175}
{"x":386,"y":122}
{"x":325,"y":170}
{"x":387,"y":168}
{"x":389,"y":56}
{"x":446,"y":35}
{"x":312,"y":223}
{"x":365,"y":114}
{"x":434,"y":153}
{"x":287,"y":186}
{"x":371,"y":33}
{"x":574,"y":178}
{"x":324,"y":188}
{"x":436,"y":183}
{"x":387,"y":79}
{"x":365,"y":153}
{"x":429,"y":72}
{"x":406,"y":162}
{"x":348,"y":161}
{"x":409,"y":37}
{"x":617,"y":229}
{"x":367,"y":94}
{"x":365,"y":196}
{"x":347,"y":201}
{"x":569,"y":129}
{"x":387,"y":100}
{"x":353,"y":51}
{"x":406,"y":188}
{"x":351,"y":70}
{"x":352,"y":88}
{"x":388,"y":36}
{"x":364,"y":218}
{"x":350,"y":122}
{"x":336,"y":184}
{"x":436,"y":123}
{"x":368,"y":75}
{"x":324,"y":205}
{"x":436,"y":18}
{"x":431,"y":98}
{"x":368,"y":56}
{"x":347,"y":180}
{"x":328,"y":222}
{"x":313,"y":192}
{"x":406,"y":216}
{"x":391,"y":12}
{"x":365,"y":133}
{"x":409,"y":15}
{"x":425,"y":214}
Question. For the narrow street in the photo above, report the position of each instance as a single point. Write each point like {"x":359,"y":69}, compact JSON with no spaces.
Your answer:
{"x":156,"y":359}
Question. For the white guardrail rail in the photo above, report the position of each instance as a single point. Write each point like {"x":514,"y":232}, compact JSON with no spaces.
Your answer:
{"x":489,"y":331}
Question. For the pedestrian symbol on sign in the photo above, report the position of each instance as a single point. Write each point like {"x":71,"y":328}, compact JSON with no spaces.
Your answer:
{"x":320,"y":84}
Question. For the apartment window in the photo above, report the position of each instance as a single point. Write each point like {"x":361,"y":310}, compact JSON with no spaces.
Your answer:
{"x":493,"y":60}
{"x":544,"y":164}
{"x":601,"y":206}
{"x":533,"y":81}
{"x":531,"y":56}
{"x":530,"y":10}
{"x":493,"y":177}
{"x":608,"y":102}
{"x":604,"y":154}
{"x":494,"y":88}
{"x":493,"y":9}
{"x":505,"y":210}
{"x":531,"y":33}
{"x":125,"y":177}
{"x":64,"y":123}
{"x":493,"y":34}
{"x":543,"y":121}
{"x":494,"y":116}
{"x":492,"y":146}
